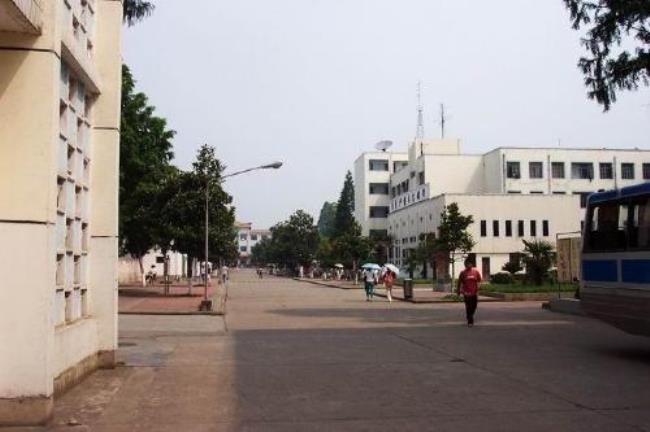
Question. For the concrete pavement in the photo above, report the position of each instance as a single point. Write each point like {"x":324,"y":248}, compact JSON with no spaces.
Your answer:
{"x":292,"y":356}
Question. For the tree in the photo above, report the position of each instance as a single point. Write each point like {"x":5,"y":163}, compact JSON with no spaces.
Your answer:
{"x":453,"y":239}
{"x":145,"y":165}
{"x":351,"y":247}
{"x":136,"y":10}
{"x":538,"y":258}
{"x":344,"y":219}
{"x":326,"y":219}
{"x":613,"y":24}
{"x":293,"y":242}
{"x":188,"y":209}
{"x":512,"y":267}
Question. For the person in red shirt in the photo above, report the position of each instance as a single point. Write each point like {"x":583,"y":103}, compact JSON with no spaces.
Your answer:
{"x":468,"y":286}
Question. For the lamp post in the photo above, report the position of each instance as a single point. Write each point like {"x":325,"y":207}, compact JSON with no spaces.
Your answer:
{"x":206,"y":304}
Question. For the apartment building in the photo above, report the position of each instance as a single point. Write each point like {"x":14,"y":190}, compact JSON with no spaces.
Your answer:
{"x":247,"y":238}
{"x":513,"y":193}
{"x":372,"y":172}
{"x":60,"y":68}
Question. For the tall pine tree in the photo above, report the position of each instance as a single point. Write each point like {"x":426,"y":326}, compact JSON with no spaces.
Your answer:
{"x":344,"y":222}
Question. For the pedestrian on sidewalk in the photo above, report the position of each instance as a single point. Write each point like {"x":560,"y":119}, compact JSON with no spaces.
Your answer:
{"x":224,"y":274}
{"x":370,"y":278}
{"x":389,"y":280}
{"x":468,"y":286}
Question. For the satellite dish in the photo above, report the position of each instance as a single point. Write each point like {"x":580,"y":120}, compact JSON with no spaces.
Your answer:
{"x":383,"y":145}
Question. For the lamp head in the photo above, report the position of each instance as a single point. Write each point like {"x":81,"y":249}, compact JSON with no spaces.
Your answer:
{"x":274,"y":165}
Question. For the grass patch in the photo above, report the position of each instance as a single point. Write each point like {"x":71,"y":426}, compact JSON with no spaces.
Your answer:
{"x":524,"y":288}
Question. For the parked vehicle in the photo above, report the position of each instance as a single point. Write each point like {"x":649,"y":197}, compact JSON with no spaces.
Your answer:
{"x":615,"y":284}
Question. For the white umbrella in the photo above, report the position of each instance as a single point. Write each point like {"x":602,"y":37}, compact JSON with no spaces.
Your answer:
{"x":371,"y":266}
{"x":392,"y":267}
{"x":339,"y":265}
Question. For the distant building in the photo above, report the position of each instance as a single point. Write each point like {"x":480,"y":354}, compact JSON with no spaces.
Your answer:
{"x":513,"y":193}
{"x":129,"y":272}
{"x":60,"y":75}
{"x":247,"y":238}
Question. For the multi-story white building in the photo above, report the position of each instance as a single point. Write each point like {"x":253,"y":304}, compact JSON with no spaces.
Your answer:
{"x":60,"y":75}
{"x":247,"y":238}
{"x":372,"y":172}
{"x":512,"y":193}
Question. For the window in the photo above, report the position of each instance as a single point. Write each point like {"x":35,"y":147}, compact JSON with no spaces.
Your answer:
{"x":393,"y":192}
{"x":583,"y":198}
{"x":582,"y":170}
{"x":622,"y":225}
{"x":399,"y":165}
{"x":378,"y":165}
{"x":606,"y":170}
{"x":557,"y":170}
{"x":627,"y":171}
{"x":378,"y":212}
{"x":559,"y":193}
{"x":243,"y":248}
{"x":512,"y":170}
{"x":537,"y":192}
{"x":405,"y":186}
{"x":536,"y":170}
{"x":495,"y":228}
{"x":421,"y":178}
{"x":520,"y":228}
{"x":243,"y":237}
{"x":533,"y":228}
{"x":378,"y":234}
{"x":513,"y":192}
{"x":483,"y":228}
{"x":253,"y":237}
{"x":378,"y":188}
{"x":508,"y":228}
{"x":646,"y":171}
{"x":545,"y":228}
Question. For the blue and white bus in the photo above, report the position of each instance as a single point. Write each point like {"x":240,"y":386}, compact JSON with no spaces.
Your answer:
{"x":615,"y":283}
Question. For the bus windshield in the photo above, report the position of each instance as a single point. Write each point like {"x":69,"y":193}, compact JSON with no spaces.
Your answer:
{"x":618,"y":225}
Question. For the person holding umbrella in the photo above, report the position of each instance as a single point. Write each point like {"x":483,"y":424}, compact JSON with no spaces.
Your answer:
{"x":370,"y":279}
{"x":390,"y":274}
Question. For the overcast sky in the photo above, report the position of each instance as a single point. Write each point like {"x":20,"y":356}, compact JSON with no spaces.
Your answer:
{"x":313,"y":83}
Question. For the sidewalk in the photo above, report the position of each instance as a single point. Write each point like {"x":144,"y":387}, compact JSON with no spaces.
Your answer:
{"x":151,"y":300}
{"x":420,"y":294}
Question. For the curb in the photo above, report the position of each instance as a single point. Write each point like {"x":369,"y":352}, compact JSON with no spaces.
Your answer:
{"x":565,"y":306}
{"x":213,"y":313}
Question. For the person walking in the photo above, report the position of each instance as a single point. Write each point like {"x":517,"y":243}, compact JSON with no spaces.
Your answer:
{"x":389,"y":280}
{"x":369,"y":278}
{"x":468,"y":286}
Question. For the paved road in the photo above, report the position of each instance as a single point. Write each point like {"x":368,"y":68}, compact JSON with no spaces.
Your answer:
{"x":292,"y":356}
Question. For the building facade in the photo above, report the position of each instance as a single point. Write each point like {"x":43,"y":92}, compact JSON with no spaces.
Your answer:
{"x":247,"y":238}
{"x":60,"y":75}
{"x":129,"y":272}
{"x":512,"y":193}
{"x":372,"y":173}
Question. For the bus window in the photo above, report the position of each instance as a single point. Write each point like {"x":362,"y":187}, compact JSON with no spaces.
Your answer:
{"x":607,"y":225}
{"x":641,"y":222}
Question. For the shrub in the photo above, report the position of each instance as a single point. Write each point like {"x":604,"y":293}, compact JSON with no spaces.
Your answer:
{"x":512,"y":267}
{"x":502,"y":278}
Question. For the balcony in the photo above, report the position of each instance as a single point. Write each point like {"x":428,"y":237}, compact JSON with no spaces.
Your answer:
{"x":22,"y":16}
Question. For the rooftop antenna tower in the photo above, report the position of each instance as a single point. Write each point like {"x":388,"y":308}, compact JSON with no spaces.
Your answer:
{"x":420,"y":129}
{"x":443,"y":120}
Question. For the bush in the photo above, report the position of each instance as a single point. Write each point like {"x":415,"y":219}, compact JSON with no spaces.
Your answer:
{"x":502,"y":278}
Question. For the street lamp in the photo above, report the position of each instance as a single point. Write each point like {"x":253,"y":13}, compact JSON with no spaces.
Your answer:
{"x":206,"y":304}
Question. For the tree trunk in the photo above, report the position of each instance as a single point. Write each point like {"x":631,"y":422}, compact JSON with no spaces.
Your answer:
{"x":453,"y":271}
{"x":142,"y":275}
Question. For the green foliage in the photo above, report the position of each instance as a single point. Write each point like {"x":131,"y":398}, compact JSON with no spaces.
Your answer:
{"x":145,"y":166}
{"x":326,"y":219}
{"x":344,"y":219}
{"x":617,"y":41}
{"x":351,"y":247}
{"x":524,"y":288}
{"x":538,"y":258}
{"x":293,"y":242}
{"x":512,"y":267}
{"x":136,"y":10}
{"x":502,"y":278}
{"x":453,"y":239}
{"x":187,"y":208}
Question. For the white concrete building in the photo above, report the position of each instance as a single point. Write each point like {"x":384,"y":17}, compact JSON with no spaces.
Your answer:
{"x":512,"y":193}
{"x":247,"y":238}
{"x":372,"y":172}
{"x":129,"y":271}
{"x":60,"y":75}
